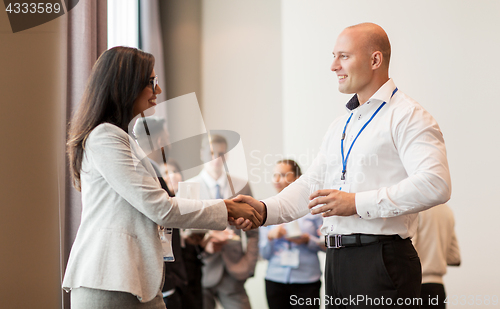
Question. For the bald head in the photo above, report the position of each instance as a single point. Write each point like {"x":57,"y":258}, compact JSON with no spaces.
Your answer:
{"x":361,"y":60}
{"x":372,"y":38}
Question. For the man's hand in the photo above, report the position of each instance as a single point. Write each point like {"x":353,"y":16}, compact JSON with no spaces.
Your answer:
{"x":245,"y":225}
{"x":336,"y":203}
{"x":242,"y":213}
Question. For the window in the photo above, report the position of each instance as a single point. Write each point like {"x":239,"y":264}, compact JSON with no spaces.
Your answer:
{"x":123,"y":23}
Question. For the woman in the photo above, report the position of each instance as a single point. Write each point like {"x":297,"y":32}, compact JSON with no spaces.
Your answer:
{"x":293,"y":269}
{"x":116,"y":260}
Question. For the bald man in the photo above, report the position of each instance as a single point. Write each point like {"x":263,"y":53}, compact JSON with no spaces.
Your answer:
{"x":379,"y":165}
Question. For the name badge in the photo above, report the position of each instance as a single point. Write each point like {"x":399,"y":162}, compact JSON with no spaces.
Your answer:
{"x":290,"y":258}
{"x":166,"y":244}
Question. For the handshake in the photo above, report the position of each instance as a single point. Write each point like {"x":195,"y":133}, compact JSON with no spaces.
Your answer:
{"x":245,"y":212}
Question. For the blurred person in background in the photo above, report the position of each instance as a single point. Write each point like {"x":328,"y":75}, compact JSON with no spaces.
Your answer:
{"x":437,"y":247}
{"x":230,"y":256}
{"x":174,"y":175}
{"x":293,"y":271}
{"x":191,"y":293}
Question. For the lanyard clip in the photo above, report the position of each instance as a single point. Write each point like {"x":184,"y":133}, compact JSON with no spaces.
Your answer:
{"x":343,"y":175}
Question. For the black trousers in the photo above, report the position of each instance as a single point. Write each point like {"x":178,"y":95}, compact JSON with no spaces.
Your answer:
{"x":433,"y":296}
{"x":184,"y":298}
{"x":293,"y":295}
{"x":382,"y":275}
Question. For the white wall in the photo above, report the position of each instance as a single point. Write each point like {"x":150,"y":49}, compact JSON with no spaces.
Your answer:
{"x":266,"y":75}
{"x":241,"y":79}
{"x":241,"y":90}
{"x":444,"y":56}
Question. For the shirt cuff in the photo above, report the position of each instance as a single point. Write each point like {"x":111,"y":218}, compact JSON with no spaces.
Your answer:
{"x":272,"y":211}
{"x":264,"y":219}
{"x":366,"y":205}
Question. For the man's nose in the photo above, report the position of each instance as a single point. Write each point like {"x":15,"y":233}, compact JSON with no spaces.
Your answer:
{"x":335,"y":65}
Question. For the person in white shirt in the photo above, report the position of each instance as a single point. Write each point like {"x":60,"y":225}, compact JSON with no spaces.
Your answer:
{"x":228,"y":260}
{"x":437,"y":247}
{"x":379,"y":165}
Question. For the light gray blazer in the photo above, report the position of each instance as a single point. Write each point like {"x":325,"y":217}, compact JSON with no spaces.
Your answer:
{"x":117,"y":247}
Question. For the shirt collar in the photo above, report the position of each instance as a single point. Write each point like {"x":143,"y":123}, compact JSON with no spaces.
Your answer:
{"x":383,"y":94}
{"x":211,"y":183}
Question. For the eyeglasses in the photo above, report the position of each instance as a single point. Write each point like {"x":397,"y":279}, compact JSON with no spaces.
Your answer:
{"x":154,"y":83}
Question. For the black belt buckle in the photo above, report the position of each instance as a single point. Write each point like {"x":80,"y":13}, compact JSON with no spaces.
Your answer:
{"x":337,"y":241}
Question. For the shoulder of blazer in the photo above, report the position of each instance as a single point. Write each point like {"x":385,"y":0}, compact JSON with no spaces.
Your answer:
{"x":107,"y":131}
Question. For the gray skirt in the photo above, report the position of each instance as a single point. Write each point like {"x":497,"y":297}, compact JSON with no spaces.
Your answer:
{"x":85,"y":298}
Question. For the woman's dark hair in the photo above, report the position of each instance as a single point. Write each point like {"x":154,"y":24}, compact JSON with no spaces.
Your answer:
{"x":116,"y":80}
{"x":293,"y":165}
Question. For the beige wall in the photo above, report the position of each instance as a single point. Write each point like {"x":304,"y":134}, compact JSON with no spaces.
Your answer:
{"x":30,"y":118}
{"x":242,"y":91}
{"x":181,"y":30}
{"x":241,"y":80}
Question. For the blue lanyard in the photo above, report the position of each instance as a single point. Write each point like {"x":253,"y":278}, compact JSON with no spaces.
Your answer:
{"x":344,"y":160}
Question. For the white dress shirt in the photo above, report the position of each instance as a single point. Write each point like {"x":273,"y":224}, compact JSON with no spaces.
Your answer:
{"x":397,"y":167}
{"x":211,"y":185}
{"x":208,"y":189}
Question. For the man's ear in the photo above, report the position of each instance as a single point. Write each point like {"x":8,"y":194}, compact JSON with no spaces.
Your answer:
{"x":377,"y":59}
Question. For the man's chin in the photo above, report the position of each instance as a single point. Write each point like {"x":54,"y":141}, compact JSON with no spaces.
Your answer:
{"x":345,"y":90}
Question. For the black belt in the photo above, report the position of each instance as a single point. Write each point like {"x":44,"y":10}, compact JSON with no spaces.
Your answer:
{"x":356,"y":240}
